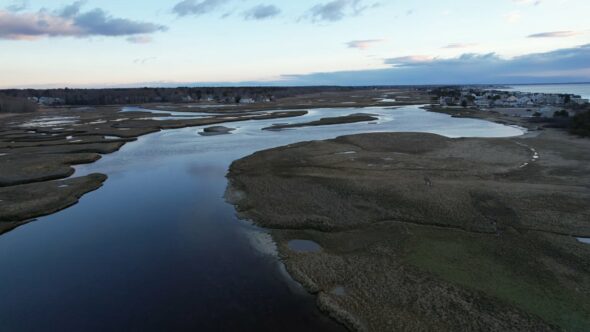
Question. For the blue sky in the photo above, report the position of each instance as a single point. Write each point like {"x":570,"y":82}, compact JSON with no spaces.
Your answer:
{"x":100,"y":43}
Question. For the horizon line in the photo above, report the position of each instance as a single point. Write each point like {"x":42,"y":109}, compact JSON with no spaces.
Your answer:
{"x":237,"y":85}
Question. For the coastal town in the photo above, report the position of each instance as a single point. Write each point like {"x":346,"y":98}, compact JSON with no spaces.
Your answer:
{"x":511,"y":102}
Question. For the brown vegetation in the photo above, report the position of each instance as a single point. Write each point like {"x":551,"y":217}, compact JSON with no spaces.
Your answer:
{"x":425,"y":233}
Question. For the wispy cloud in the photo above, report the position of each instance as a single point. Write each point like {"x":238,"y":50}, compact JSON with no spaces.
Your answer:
{"x":141,"y":39}
{"x":364,"y":44}
{"x":336,"y":10}
{"x":262,"y":12}
{"x":460,"y":45}
{"x":70,"y":22}
{"x":98,"y":22}
{"x":555,"y":34}
{"x":409,"y":60}
{"x":194,"y":7}
{"x":528,"y":2}
{"x":18,"y":6}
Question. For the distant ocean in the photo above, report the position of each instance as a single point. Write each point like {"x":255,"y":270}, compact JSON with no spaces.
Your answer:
{"x":576,"y":89}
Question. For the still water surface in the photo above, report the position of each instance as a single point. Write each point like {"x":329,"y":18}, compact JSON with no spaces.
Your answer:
{"x":582,"y":90}
{"x":158,"y":248}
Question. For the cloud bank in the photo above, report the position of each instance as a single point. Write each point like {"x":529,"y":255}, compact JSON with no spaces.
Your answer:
{"x":559,"y":66}
{"x":555,"y":34}
{"x":460,"y":45}
{"x":364,"y":44}
{"x":70,"y":21}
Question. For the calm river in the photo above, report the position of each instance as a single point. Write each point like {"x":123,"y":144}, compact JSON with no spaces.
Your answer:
{"x":158,"y":248}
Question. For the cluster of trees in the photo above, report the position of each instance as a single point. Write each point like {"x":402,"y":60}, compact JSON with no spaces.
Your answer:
{"x":562,"y":114}
{"x":163,"y":95}
{"x":9,"y":104}
{"x":446,"y":91}
{"x":580,"y":124}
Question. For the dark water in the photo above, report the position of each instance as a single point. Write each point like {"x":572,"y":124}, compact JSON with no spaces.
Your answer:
{"x":158,"y":248}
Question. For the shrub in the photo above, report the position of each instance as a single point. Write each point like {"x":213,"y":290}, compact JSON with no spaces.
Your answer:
{"x":581,"y":124}
{"x":561,"y":114}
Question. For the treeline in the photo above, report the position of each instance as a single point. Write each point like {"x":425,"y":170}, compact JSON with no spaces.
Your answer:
{"x":446,"y":91}
{"x":164,"y":95}
{"x":9,"y":104}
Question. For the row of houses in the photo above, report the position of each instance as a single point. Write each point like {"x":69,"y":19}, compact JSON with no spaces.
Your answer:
{"x":230,"y":99}
{"x":512,"y":99}
{"x":47,"y":101}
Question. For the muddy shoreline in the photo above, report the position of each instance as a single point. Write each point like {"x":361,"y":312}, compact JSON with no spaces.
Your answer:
{"x":353,"y":118}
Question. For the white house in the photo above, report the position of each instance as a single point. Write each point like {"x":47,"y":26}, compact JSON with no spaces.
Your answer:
{"x":247,"y":101}
{"x":512,"y":101}
{"x":50,"y":101}
{"x":524,"y":101}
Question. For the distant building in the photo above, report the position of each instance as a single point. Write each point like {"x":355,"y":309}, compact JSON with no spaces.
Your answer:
{"x":524,"y":102}
{"x":247,"y":101}
{"x":483,"y":98}
{"x":511,"y":101}
{"x":50,"y":101}
{"x":578,"y":100}
{"x":482,"y":101}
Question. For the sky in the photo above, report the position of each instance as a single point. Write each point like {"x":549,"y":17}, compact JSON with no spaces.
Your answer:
{"x":114,"y":43}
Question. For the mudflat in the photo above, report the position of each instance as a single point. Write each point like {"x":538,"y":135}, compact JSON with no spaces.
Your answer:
{"x":421,"y":232}
{"x":352,"y":118}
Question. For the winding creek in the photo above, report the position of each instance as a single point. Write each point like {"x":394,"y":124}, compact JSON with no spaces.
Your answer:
{"x":158,"y":247}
